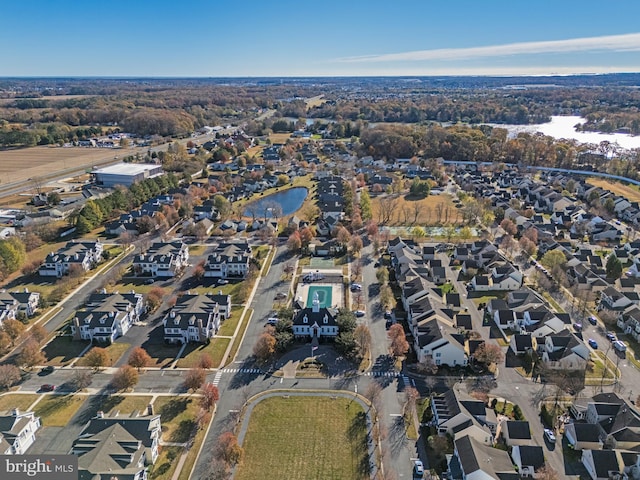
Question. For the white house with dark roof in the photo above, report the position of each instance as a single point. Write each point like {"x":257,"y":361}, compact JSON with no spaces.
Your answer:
{"x":17,"y":431}
{"x":564,"y":351}
{"x":162,"y":260}
{"x":473,"y":460}
{"x":229,"y":261}
{"x":454,"y":412}
{"x":83,"y":254}
{"x":118,"y":447}
{"x":441,"y":342}
{"x":528,"y":458}
{"x":315,"y":322}
{"x":515,"y":432}
{"x":193,"y":319}
{"x":107,"y":316}
{"x":583,"y":436}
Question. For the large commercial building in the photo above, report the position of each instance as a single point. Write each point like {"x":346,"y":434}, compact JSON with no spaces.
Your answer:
{"x":125,"y":174}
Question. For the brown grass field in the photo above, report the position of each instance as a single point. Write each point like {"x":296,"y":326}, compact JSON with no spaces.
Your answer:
{"x":279,"y":137}
{"x":630,"y":192}
{"x":53,"y":98}
{"x":18,"y":165}
{"x":315,"y":101}
{"x":427,"y":215}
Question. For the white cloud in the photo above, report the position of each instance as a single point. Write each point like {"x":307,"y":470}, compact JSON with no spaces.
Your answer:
{"x":627,"y":42}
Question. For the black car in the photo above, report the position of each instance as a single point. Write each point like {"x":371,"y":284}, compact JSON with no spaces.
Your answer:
{"x":593,"y":320}
{"x":48,"y":369}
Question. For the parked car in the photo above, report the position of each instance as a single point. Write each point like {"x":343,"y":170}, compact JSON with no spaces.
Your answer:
{"x":593,"y":344}
{"x":611,"y":336}
{"x":549,"y":435}
{"x":387,"y":314}
{"x":577,"y":327}
{"x":418,"y":468}
{"x":272,"y":321}
{"x":149,"y":281}
{"x":359,"y":313}
{"x":47,"y":387}
{"x":281,"y":296}
{"x":222,"y":281}
{"x":619,"y":346}
{"x":47,"y":370}
{"x":593,"y":320}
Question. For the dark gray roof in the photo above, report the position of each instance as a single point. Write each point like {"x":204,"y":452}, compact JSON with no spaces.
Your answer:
{"x":518,"y":430}
{"x":531,"y":456}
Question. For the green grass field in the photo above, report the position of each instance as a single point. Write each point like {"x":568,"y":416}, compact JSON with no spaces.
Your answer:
{"x":178,"y":417}
{"x":56,"y":410}
{"x":62,"y":350}
{"x":16,"y":400}
{"x":193,"y":352}
{"x":329,"y":435}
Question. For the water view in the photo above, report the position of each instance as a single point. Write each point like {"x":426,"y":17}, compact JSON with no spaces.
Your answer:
{"x":287,"y":200}
{"x":563,"y":127}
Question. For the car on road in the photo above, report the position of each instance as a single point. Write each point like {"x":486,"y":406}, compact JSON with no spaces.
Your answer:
{"x":149,"y":281}
{"x":620,"y":346}
{"x":611,"y":336}
{"x":356,"y":287}
{"x":593,"y":344}
{"x":418,"y":468}
{"x":577,"y":327}
{"x":376,"y":265}
{"x":359,"y":313}
{"x":47,"y":387}
{"x":47,"y":370}
{"x":272,"y":321}
{"x":222,"y":281}
{"x":549,"y":435}
{"x":281,"y":296}
{"x":593,"y":320}
{"x":387,"y":314}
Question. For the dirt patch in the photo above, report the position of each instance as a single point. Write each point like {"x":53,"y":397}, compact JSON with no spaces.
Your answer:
{"x":630,"y":192}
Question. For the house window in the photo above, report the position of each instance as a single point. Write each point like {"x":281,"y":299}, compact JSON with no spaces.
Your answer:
{"x":438,"y":354}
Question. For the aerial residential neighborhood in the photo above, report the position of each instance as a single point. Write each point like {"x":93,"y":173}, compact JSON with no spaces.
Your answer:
{"x":324,"y":241}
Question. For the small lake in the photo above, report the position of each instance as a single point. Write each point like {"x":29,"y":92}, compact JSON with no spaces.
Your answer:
{"x":563,"y":127}
{"x":289,"y":201}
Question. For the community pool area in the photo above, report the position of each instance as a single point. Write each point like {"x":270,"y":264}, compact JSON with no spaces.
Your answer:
{"x":324,"y":295}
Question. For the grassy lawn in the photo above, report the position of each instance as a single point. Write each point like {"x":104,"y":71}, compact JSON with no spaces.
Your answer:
{"x":190,"y":461}
{"x":57,"y":410}
{"x":196,"y":250}
{"x":428,"y":208}
{"x":484,"y":299}
{"x":125,"y":405}
{"x":333,"y":433}
{"x":231,"y":288}
{"x":238,"y":339}
{"x":178,"y":417}
{"x":191,"y":355}
{"x":279,"y":137}
{"x":62,"y":350}
{"x":115,"y":351}
{"x":166,"y":463}
{"x":137,"y":286}
{"x":599,"y":369}
{"x":14,"y":400}
{"x":552,"y":302}
{"x":161,"y":354}
{"x":269,"y":260}
{"x":628,"y":191}
{"x":228,"y":327}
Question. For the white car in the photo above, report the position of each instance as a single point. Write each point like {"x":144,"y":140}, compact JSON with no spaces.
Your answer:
{"x":418,"y":468}
{"x":549,"y":435}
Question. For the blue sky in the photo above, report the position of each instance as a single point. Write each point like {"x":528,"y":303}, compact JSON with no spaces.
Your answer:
{"x":220,"y":38}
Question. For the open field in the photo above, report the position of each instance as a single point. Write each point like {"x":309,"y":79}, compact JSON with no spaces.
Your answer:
{"x":332,"y":433}
{"x":46,"y":160}
{"x":428,"y":214}
{"x":16,"y":400}
{"x":192,"y":353}
{"x":314,"y":101}
{"x":57,"y":410}
{"x":279,"y":137}
{"x":178,"y":417}
{"x":630,"y":192}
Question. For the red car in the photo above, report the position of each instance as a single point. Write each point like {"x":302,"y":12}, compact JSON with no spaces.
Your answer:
{"x":47,"y":387}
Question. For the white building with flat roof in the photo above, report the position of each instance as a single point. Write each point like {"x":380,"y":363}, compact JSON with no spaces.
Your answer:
{"x":125,"y":174}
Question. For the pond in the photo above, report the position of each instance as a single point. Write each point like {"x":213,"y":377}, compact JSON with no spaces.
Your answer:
{"x":288,"y":200}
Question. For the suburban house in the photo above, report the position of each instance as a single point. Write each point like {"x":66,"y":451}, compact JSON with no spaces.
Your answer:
{"x":315,"y":321}
{"x":17,"y":431}
{"x":564,"y":351}
{"x":608,"y":464}
{"x":515,"y":432}
{"x":441,"y":342}
{"x":107,"y":316}
{"x":528,"y":459}
{"x":117,"y":446}
{"x":453,"y":412}
{"x":583,"y":436}
{"x":83,"y":254}
{"x":194,"y":318}
{"x":473,"y":460}
{"x":229,"y":261}
{"x":618,"y":422}
{"x":612,"y":299}
{"x":162,"y":259}
{"x":15,"y":304}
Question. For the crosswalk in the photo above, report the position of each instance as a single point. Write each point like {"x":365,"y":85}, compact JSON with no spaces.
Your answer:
{"x":216,"y":379}
{"x":379,"y":373}
{"x":241,"y":370}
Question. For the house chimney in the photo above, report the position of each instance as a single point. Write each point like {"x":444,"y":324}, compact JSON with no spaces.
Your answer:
{"x":150,"y":409}
{"x":16,"y":411}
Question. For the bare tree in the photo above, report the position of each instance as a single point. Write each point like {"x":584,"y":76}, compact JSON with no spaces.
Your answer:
{"x":387,"y":206}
